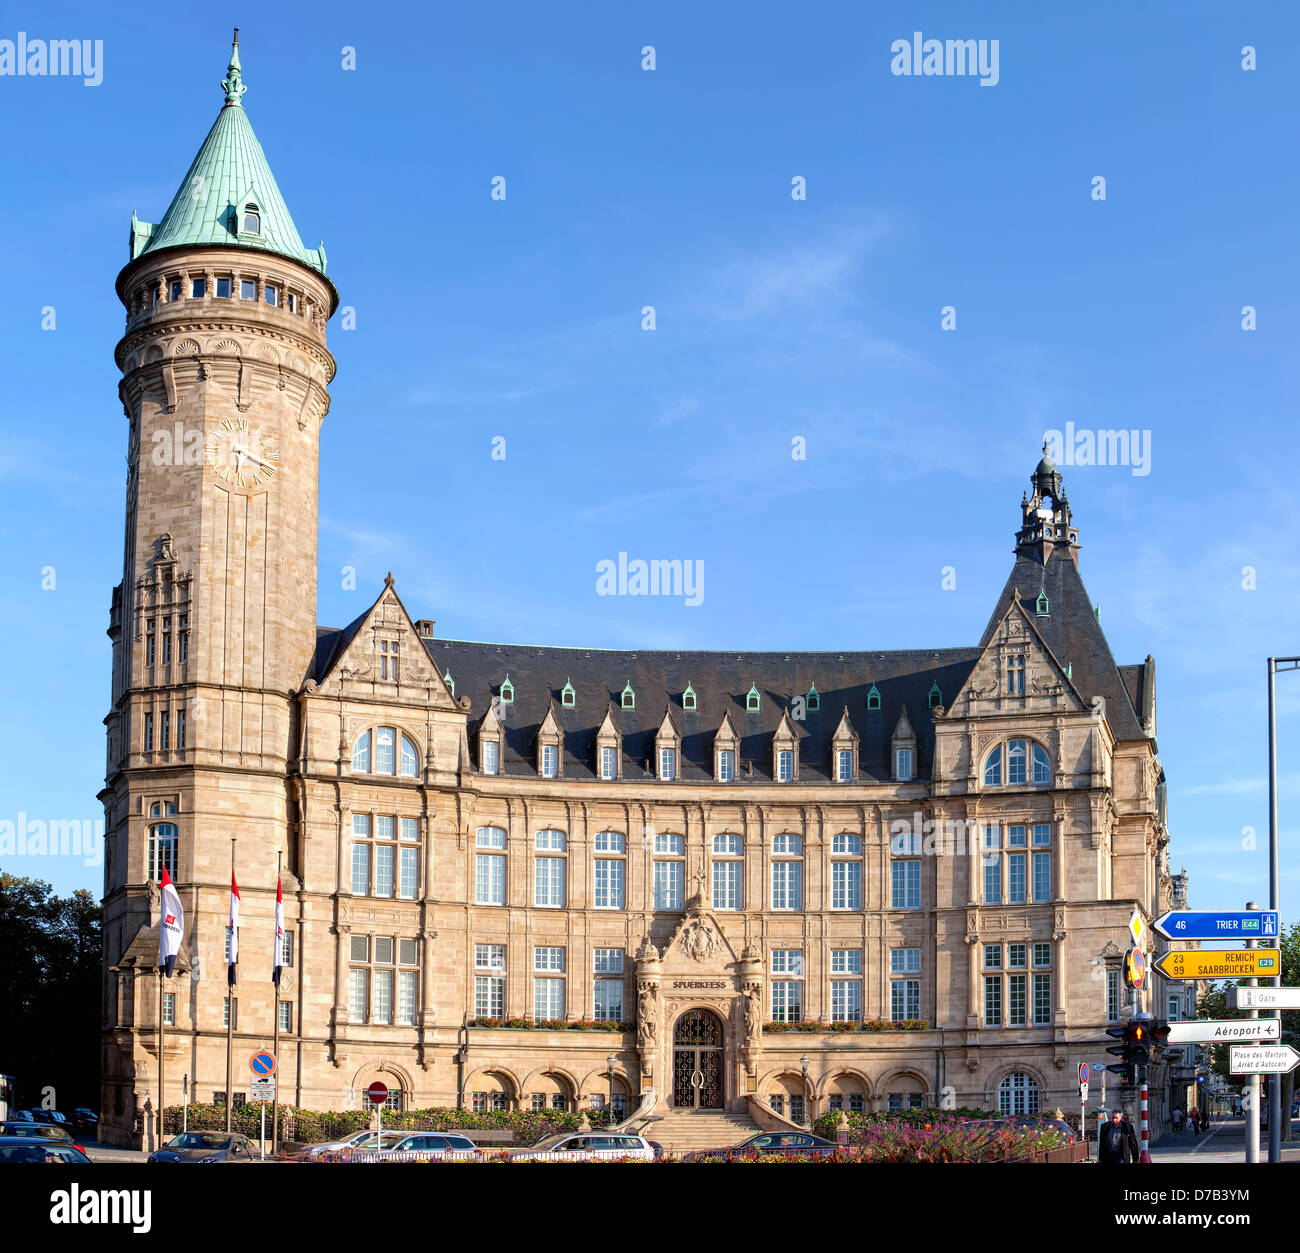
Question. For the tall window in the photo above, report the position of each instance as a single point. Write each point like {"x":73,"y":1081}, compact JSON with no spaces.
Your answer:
{"x":609,"y":762}
{"x":491,"y":757}
{"x":905,"y":993}
{"x":787,"y":872}
{"x":905,"y":875}
{"x":183,"y":638}
{"x":1015,"y":676}
{"x":1042,"y":876}
{"x":490,"y":866}
{"x":361,"y":753}
{"x":903,"y":764}
{"x":846,"y":871}
{"x":1112,"y":995}
{"x":728,"y":869}
{"x":489,"y":986}
{"x":549,"y":870}
{"x":164,"y":841}
{"x":180,"y":728}
{"x":787,"y":985}
{"x":992,"y":1000}
{"x":169,"y":1008}
{"x":668,"y":763}
{"x":844,"y":765}
{"x":669,"y":870}
{"x":607,"y":987}
{"x":785,"y":766}
{"x":548,"y":985}
{"x":610,"y":867}
{"x":252,"y":220}
{"x":1018,"y":1094}
{"x":726,"y":765}
{"x":846,"y":984}
{"x":550,"y":760}
{"x":148,"y":733}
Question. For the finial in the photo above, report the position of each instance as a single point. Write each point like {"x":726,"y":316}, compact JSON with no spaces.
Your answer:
{"x":233,"y":83}
{"x":388,"y":579}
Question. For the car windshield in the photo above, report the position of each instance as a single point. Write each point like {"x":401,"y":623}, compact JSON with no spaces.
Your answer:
{"x":552,"y":1142}
{"x":198,"y":1140}
{"x":35,"y":1130}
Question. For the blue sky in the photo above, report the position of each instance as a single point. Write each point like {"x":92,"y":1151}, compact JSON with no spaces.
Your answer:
{"x":775,"y":319}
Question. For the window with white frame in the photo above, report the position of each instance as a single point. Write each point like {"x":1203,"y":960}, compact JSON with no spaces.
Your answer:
{"x":726,"y":765}
{"x":844,"y":765}
{"x":904,"y":961}
{"x":669,"y":870}
{"x":787,"y":985}
{"x":609,"y":870}
{"x":1112,"y":995}
{"x":548,"y":985}
{"x":489,"y":866}
{"x":385,"y":742}
{"x":787,"y":872}
{"x":904,"y":999}
{"x":905,"y":870}
{"x":607,"y":985}
{"x":785,"y":765}
{"x":1018,"y":1094}
{"x":668,"y":763}
{"x":846,"y":961}
{"x":846,"y":1000}
{"x":846,"y":871}
{"x":491,"y":756}
{"x":164,"y":843}
{"x":903,"y":765}
{"x":550,"y":761}
{"x":608,"y":762}
{"x":1017,"y":761}
{"x":490,"y":988}
{"x":728,"y":870}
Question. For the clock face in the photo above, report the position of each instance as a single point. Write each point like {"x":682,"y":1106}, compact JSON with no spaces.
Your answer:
{"x":241,"y":454}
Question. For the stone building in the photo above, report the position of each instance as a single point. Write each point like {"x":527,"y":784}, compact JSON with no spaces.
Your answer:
{"x":768,"y":883}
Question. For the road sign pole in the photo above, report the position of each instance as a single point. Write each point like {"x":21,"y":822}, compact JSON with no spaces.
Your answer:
{"x":1275,"y":1089}
{"x":1252,"y":1087}
{"x":261,"y":1140}
{"x":1145,"y":1155}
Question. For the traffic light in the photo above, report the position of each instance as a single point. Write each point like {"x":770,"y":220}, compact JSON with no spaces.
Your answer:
{"x":1139,"y":1043}
{"x":1159,"y":1033}
{"x":1135,"y":1050}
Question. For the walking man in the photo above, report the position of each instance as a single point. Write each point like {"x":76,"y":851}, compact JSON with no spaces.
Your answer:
{"x":1117,"y":1145}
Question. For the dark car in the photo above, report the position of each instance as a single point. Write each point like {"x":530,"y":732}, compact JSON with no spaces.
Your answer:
{"x":52,"y":1117}
{"x":39,"y":1131}
{"x":784,"y":1143}
{"x":206,"y":1146}
{"x":42,"y":1151}
{"x":85,"y":1120}
{"x":20,"y":1115}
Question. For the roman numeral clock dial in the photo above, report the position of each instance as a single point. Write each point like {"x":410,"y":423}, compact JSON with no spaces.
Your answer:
{"x":240,"y":454}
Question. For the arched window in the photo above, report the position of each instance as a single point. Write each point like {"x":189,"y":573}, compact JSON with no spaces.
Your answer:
{"x":252,"y":220}
{"x":1018,"y":1094}
{"x":1010,"y":762}
{"x":163,"y":841}
{"x":384,"y":741}
{"x":361,"y":753}
{"x":385,"y":746}
{"x":410,"y":759}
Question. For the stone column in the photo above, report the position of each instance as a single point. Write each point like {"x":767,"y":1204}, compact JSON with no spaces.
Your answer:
{"x":649,"y":1017}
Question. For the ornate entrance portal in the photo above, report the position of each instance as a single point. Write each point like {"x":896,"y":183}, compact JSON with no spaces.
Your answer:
{"x":697,"y":1061}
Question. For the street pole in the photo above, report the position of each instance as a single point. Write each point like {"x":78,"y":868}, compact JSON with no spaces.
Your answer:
{"x":161,"y":1066}
{"x":1275,"y":1085}
{"x":275,"y":1048}
{"x":1145,"y":1155}
{"x":230,"y":1012}
{"x":1252,"y":1086}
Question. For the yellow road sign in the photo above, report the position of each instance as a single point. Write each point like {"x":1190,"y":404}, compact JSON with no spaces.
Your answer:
{"x":1137,"y":929}
{"x":1241,"y":963}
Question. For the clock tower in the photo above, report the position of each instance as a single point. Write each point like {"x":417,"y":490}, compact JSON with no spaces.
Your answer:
{"x":224,"y":374}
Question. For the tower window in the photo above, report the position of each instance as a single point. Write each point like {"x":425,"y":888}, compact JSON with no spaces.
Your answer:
{"x":248,"y":289}
{"x":1041,"y":605}
{"x":199,"y":287}
{"x":223,"y":289}
{"x":252,"y":220}
{"x":450,"y":682}
{"x":688,"y":697}
{"x":174,"y":289}
{"x":291,"y":302}
{"x":507,"y":692}
{"x":272,"y":295}
{"x":752,"y":699}
{"x":628,"y":698}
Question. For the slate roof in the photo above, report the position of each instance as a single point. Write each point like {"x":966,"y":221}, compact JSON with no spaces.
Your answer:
{"x":1074,"y":635}
{"x":721,"y":682}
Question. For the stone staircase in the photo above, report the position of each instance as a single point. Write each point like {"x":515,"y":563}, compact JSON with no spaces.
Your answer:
{"x":685,"y":1131}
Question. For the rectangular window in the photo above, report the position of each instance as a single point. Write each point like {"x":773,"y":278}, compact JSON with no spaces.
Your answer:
{"x":1016,"y":836}
{"x":609,"y":884}
{"x":223,"y":289}
{"x":148,"y":733}
{"x":904,"y":961}
{"x":548,"y":957}
{"x":667,"y":885}
{"x":1042,"y":876}
{"x":993,"y":957}
{"x":548,"y":882}
{"x":785,"y":766}
{"x":180,"y":728}
{"x":1015,"y":676}
{"x":607,"y":1000}
{"x":489,"y":879}
{"x":846,"y":961}
{"x":169,"y":1008}
{"x":609,"y":842}
{"x":607,"y":961}
{"x":183,"y":638}
{"x":407,"y":885}
{"x":846,"y":1000}
{"x":359,"y":948}
{"x":608,"y":762}
{"x":407,"y":952}
{"x":198,"y":287}
{"x":383,"y":828}
{"x":846,"y":884}
{"x":410,"y":828}
{"x":726,"y":765}
{"x":1016,"y":878}
{"x":1042,"y":1000}
{"x":1042,"y":834}
{"x":491,"y":756}
{"x":787,"y":1000}
{"x":550,"y":760}
{"x":286,"y":1016}
{"x":406,"y":998}
{"x":165,"y":730}
{"x":383,"y":870}
{"x":489,"y":996}
{"x":548,"y":998}
{"x":489,"y":957}
{"x":787,"y":961}
{"x":993,"y":880}
{"x":1016,"y":956}
{"x":167,"y":641}
{"x":992,"y":1000}
{"x":726,"y":884}
{"x":903,"y":764}
{"x":360,"y":869}
{"x":844,"y":765}
{"x":247,"y":289}
{"x":174,"y":289}
{"x":904,"y":999}
{"x":358,"y":994}
{"x":1042,"y":955}
{"x":148,"y":643}
{"x":383,"y":997}
{"x":669,"y":877}
{"x":787,"y":885}
{"x":272,"y":295}
{"x":1016,"y":1001}
{"x":667,"y":763}
{"x":905,"y":885}
{"x":1112,"y":995}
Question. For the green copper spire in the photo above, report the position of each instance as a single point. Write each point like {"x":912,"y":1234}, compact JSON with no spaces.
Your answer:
{"x":229,"y":195}
{"x":234,"y":80}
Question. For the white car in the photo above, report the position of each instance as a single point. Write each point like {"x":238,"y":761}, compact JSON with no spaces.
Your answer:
{"x":585,"y":1147}
{"x":358,"y":1140}
{"x":421,"y":1146}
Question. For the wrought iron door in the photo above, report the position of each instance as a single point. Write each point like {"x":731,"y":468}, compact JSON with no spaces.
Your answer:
{"x":697,"y":1061}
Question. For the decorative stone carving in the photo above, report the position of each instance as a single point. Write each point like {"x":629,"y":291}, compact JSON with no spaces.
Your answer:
{"x":753,"y":1015}
{"x":699,"y":940}
{"x":647,"y":952}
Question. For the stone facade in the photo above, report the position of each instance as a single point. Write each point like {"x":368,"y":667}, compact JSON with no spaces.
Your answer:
{"x":884,"y":853}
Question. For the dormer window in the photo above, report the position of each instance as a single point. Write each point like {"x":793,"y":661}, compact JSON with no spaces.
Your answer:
{"x":935,"y":696}
{"x":752,"y":700}
{"x":903,"y":765}
{"x":785,"y":765}
{"x":450,"y":682}
{"x":507,"y":691}
{"x":568,"y":697}
{"x":813,"y":701}
{"x":628,"y":699}
{"x":252,"y":220}
{"x":873,"y":698}
{"x":688,"y":697}
{"x":1041,"y":605}
{"x":550,"y":761}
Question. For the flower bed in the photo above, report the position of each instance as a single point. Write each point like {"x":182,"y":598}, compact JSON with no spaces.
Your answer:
{"x":551,"y":1024}
{"x":867,"y":1024}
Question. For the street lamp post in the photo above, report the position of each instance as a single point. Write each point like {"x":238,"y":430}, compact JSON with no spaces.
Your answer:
{"x":611,"y":1061}
{"x":804,"y":1062}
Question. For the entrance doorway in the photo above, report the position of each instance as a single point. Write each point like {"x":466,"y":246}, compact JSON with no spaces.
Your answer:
{"x":697,"y":1060}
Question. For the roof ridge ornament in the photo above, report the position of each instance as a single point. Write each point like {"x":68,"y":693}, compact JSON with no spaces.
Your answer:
{"x":233,"y":83}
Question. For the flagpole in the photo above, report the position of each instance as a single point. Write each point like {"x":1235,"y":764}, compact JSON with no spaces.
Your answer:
{"x":160,"y":1038}
{"x":230,"y":1013}
{"x":275,"y":1048}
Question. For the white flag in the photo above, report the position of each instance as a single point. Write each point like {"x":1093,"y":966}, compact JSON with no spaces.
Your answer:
{"x":234,"y":930}
{"x":277,"y":959}
{"x":172,"y":927}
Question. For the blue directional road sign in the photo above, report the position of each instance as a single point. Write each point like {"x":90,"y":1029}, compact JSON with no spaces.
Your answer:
{"x":1183,"y":924}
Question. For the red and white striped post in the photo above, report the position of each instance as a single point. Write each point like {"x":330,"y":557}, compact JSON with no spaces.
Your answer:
{"x":1145,"y":1155}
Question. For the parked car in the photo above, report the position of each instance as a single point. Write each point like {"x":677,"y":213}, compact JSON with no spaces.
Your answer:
{"x":51,"y":1116}
{"x":40,"y":1150}
{"x":584,"y":1147}
{"x":786,"y":1143}
{"x":39,"y":1131}
{"x":85,"y":1121}
{"x":422,"y":1146}
{"x":206,"y":1146}
{"x":357,"y":1140}
{"x":20,"y":1115}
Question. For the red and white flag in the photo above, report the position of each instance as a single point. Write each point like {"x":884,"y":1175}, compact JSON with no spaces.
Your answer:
{"x":234,"y":930}
{"x":172,"y":925}
{"x":278,"y":959}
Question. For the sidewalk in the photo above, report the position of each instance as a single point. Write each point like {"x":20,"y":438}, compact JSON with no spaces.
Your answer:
{"x":1225,"y":1141}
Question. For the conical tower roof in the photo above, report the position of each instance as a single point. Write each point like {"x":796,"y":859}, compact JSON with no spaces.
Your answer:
{"x":229,"y":174}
